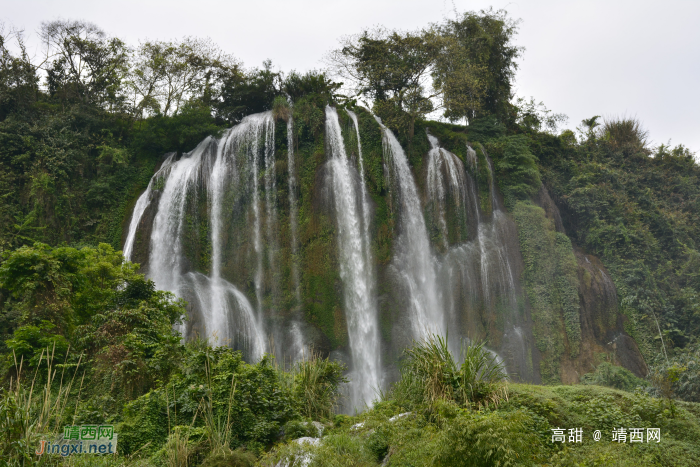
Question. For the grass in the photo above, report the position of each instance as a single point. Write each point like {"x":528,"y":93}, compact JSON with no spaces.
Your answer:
{"x":518,"y":432}
{"x":430,"y":373}
{"x":34,"y":412}
{"x":316,"y":383}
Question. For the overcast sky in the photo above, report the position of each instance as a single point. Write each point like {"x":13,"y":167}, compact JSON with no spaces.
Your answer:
{"x":583,"y":58}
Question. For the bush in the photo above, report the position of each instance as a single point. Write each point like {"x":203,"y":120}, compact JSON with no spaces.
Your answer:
{"x":680,"y":377}
{"x":237,"y":458}
{"x":516,"y":168}
{"x":299,"y":429}
{"x":430,"y":374}
{"x":316,"y":386}
{"x":607,"y":374}
{"x":486,"y":439}
{"x":625,"y":132}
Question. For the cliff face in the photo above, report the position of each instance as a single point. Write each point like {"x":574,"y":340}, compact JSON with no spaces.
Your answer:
{"x":290,"y":235}
{"x":603,"y":337}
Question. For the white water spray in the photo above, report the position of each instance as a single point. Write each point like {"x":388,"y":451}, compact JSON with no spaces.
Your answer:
{"x":413,"y":262}
{"x":141,"y":205}
{"x":356,"y":270}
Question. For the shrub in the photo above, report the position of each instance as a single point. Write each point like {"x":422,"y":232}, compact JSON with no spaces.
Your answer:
{"x":486,"y":439}
{"x":237,"y":458}
{"x":680,"y":377}
{"x":516,"y":168}
{"x":480,"y":376}
{"x":430,"y":374}
{"x":299,"y":429}
{"x":280,"y":109}
{"x":623,"y":132}
{"x":316,"y":386}
{"x":607,"y":374}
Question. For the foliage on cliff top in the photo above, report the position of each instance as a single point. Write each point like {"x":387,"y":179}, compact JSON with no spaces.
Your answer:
{"x":638,"y":209}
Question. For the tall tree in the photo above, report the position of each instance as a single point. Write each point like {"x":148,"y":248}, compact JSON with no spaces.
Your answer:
{"x":165,"y":75}
{"x":18,"y":79}
{"x":83,"y":64}
{"x":391,"y":69}
{"x":476,"y":66}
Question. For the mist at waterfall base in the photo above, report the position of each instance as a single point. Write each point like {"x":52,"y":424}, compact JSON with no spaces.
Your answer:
{"x":243,"y":297}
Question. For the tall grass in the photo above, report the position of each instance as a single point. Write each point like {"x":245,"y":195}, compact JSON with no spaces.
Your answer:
{"x":30,"y":413}
{"x":481,"y":376}
{"x":625,"y":132}
{"x":430,"y":373}
{"x":316,"y":383}
{"x":218,"y":430}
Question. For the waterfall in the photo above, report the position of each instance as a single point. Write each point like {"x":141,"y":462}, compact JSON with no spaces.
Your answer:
{"x":224,"y":298}
{"x":356,"y":269}
{"x":293,"y":207}
{"x":226,"y":171}
{"x":475,"y":276}
{"x":257,"y":241}
{"x":165,"y":261}
{"x":241,"y":147}
{"x":365,"y":202}
{"x":493,"y":238}
{"x":412,"y":262}
{"x":445,"y":174}
{"x":212,"y":219}
{"x":271,"y":208}
{"x":141,"y":205}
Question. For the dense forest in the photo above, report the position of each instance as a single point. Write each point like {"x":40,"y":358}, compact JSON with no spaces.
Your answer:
{"x":85,"y":338}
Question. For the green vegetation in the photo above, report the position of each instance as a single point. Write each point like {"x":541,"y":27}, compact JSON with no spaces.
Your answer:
{"x":637,"y":209}
{"x":439,"y":430}
{"x":114,"y":356}
{"x":613,"y":376}
{"x":85,"y":338}
{"x":551,"y":282}
{"x":430,"y":374}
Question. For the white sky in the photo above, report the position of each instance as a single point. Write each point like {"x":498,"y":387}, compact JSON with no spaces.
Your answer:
{"x":637,"y":58}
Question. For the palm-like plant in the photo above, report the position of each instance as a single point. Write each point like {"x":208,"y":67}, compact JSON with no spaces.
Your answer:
{"x":430,"y":373}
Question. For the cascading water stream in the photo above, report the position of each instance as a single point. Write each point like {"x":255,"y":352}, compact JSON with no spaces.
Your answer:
{"x":224,"y":297}
{"x":226,"y":168}
{"x":240,"y":146}
{"x":293,"y":207}
{"x":271,"y":208}
{"x":439,"y":160}
{"x":365,"y":202}
{"x":412,"y":262}
{"x":476,"y":274}
{"x":257,"y":241}
{"x":164,"y":265}
{"x":141,"y":205}
{"x":356,"y":270}
{"x":220,"y":172}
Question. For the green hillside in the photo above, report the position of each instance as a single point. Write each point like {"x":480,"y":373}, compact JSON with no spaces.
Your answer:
{"x":604,"y":237}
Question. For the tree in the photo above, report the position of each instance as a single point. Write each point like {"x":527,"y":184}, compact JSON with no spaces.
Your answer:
{"x":165,"y":75}
{"x":464,"y":67}
{"x":392,"y":70}
{"x":476,"y":65}
{"x":83,"y":64}
{"x":244,"y":93}
{"x":18,"y":79}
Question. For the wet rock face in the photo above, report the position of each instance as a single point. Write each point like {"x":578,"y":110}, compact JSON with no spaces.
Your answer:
{"x":602,"y":325}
